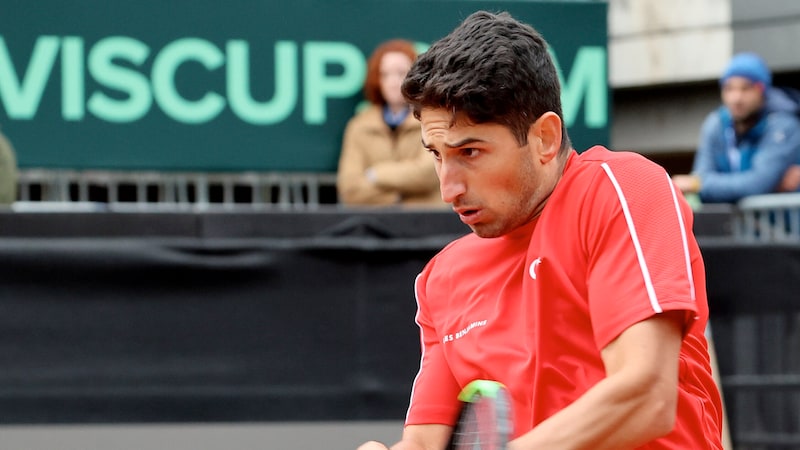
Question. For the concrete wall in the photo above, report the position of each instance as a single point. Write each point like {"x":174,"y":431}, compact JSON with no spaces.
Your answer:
{"x":654,"y":42}
{"x":771,"y":28}
{"x":665,"y":57}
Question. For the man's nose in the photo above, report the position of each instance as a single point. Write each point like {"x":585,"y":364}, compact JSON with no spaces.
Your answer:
{"x":451,"y":182}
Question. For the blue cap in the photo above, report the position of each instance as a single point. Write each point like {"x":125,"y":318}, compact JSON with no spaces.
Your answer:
{"x":750,"y":66}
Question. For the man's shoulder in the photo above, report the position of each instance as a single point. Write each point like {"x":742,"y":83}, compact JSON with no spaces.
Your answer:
{"x":598,"y":156}
{"x":713,"y":120}
{"x":784,"y":99}
{"x":783,"y":109}
{"x":618,"y":166}
{"x":457,"y":253}
{"x":783,"y":119}
{"x":466,"y":243}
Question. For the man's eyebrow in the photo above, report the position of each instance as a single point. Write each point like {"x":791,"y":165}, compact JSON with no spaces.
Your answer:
{"x":461,"y":143}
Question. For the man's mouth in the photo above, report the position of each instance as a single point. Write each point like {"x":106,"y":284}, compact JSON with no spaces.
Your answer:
{"x":468,"y":215}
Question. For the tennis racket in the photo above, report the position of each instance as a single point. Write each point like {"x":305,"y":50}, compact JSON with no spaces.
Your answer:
{"x":485,"y":420}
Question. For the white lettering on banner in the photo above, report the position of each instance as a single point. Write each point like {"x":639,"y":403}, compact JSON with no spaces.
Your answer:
{"x":21,"y":97}
{"x":127,"y":93}
{"x":238,"y":84}
{"x":103,"y":64}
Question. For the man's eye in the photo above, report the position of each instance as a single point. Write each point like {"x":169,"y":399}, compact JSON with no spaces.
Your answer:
{"x":435,"y":154}
{"x":470,"y":152}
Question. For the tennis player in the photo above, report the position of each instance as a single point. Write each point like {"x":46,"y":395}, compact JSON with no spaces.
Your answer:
{"x":581,"y":288}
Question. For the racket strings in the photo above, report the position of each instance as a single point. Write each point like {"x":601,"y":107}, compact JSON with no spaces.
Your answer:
{"x":480,"y":427}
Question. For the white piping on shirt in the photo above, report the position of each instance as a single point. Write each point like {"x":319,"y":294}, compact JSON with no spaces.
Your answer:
{"x":686,"y":256}
{"x":648,"y":282}
{"x":421,"y":344}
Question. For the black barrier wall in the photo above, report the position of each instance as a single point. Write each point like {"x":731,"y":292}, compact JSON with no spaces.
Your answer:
{"x":110,"y":317}
{"x":153,"y":331}
{"x":185,"y":324}
{"x":754,"y":297}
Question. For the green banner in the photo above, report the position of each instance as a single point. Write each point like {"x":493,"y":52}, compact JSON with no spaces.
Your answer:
{"x":242,"y":84}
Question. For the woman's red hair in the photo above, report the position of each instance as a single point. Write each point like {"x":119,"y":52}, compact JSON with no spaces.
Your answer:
{"x":372,"y":83}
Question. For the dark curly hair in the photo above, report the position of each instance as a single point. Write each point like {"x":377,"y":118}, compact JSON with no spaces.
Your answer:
{"x":491,"y":68}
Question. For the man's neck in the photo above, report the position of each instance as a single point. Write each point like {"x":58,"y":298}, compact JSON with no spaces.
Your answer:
{"x":744,"y":125}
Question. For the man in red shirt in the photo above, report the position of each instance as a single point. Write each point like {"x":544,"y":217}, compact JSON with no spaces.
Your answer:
{"x":582,"y":288}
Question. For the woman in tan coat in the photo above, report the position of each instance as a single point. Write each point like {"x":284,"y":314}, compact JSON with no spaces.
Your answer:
{"x":8,"y":172}
{"x":383,"y":161}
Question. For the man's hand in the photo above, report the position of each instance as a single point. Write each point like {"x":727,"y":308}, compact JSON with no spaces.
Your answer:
{"x":791,"y":179}
{"x":688,"y":183}
{"x":373,"y":445}
{"x":416,"y":437}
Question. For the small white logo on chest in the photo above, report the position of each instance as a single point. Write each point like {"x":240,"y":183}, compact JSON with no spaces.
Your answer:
{"x":534,"y":265}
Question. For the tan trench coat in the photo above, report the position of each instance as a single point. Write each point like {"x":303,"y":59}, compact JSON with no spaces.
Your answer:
{"x":401,"y":168}
{"x":8,"y":172}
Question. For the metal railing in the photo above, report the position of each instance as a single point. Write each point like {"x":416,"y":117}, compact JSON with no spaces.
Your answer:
{"x":176,"y":190}
{"x":768,"y":218}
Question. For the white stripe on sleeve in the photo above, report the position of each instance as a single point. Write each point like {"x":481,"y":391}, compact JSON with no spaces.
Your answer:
{"x":687,"y":258}
{"x":422,"y":346}
{"x":648,"y":282}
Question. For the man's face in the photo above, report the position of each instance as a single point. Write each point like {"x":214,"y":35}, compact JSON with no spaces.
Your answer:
{"x":493,"y":183}
{"x":742,"y":97}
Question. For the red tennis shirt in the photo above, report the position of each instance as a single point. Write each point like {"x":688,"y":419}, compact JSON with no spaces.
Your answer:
{"x":532,"y":309}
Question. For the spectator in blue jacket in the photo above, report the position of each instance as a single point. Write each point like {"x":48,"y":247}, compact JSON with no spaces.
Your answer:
{"x":748,"y":145}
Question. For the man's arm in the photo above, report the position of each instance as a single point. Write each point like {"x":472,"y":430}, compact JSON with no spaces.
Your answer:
{"x":704,"y":156}
{"x":791,"y":179}
{"x":777,"y":151}
{"x":417,"y":437}
{"x":688,"y":184}
{"x":635,"y":404}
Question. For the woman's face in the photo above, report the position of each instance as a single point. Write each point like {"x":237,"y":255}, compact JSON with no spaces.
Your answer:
{"x":393,"y":69}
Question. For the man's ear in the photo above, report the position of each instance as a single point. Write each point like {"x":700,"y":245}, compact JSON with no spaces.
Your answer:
{"x":547,"y":130}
